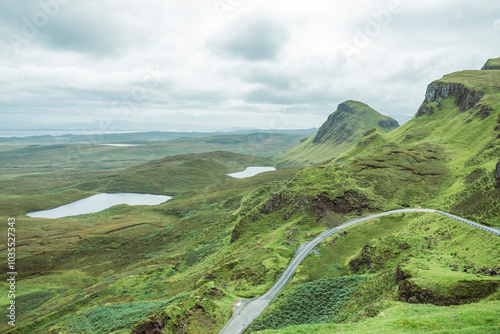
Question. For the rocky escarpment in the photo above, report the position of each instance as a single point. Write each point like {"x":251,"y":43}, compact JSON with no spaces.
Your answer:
{"x":343,"y":125}
{"x":155,"y":325}
{"x":464,"y":292}
{"x":465,"y":99}
{"x":318,"y":206}
{"x":339,"y":117}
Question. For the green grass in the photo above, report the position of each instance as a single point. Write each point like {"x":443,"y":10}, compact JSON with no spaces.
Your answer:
{"x":465,"y":319}
{"x":40,"y":155}
{"x":112,"y":318}
{"x":311,"y":303}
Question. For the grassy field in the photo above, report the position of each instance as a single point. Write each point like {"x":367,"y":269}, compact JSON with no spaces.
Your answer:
{"x":35,"y":155}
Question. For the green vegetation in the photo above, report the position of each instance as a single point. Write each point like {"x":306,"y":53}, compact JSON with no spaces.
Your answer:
{"x":182,"y":265}
{"x":428,"y":253}
{"x":112,"y":318}
{"x":22,"y":156}
{"x":311,"y":303}
{"x":343,"y":129}
{"x":400,"y":318}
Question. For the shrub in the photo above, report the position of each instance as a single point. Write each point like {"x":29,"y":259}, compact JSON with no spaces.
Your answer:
{"x":311,"y":303}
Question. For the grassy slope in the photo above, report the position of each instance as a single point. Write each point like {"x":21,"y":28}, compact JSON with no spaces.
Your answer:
{"x":336,"y":141}
{"x":442,"y":161}
{"x":398,"y":242}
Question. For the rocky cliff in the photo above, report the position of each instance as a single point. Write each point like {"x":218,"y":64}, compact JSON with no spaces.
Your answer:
{"x":437,"y":92}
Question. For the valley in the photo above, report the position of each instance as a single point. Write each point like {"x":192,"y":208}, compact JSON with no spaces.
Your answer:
{"x":182,"y":265}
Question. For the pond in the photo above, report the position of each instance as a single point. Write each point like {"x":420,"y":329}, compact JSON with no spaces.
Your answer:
{"x":98,"y":203}
{"x":251,"y":171}
{"x":121,"y":145}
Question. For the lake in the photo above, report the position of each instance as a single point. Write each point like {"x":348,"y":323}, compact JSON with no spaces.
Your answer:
{"x":98,"y":203}
{"x":121,"y":145}
{"x":251,"y":171}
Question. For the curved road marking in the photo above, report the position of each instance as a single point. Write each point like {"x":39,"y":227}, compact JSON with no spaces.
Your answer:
{"x":251,"y":309}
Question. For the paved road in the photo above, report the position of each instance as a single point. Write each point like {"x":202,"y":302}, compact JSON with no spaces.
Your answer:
{"x":249,"y":310}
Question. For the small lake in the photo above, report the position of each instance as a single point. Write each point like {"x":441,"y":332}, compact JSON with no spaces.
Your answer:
{"x":121,"y":145}
{"x":251,"y":171}
{"x":98,"y":203}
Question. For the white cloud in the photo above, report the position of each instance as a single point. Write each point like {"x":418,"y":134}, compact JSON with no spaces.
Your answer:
{"x":496,"y":26}
{"x":262,"y":58}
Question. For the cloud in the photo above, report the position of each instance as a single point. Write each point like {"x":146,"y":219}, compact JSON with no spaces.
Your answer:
{"x":496,"y":27}
{"x":251,"y":38}
{"x":269,"y":58}
{"x":92,"y":27}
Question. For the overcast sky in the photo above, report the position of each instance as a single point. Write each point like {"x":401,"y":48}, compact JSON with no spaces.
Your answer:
{"x":227,"y":63}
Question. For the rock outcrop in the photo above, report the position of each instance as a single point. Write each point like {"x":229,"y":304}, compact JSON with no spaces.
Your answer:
{"x":339,"y":117}
{"x":465,"y":99}
{"x":388,"y":123}
{"x":152,"y":326}
{"x":463,"y":293}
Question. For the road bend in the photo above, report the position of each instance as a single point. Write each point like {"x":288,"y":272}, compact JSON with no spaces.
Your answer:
{"x":249,"y":310}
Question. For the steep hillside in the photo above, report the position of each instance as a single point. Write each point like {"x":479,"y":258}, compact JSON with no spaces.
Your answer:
{"x":446,"y":157}
{"x":342,"y":130}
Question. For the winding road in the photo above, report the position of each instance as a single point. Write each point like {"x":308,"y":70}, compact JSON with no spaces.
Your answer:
{"x":248,"y":310}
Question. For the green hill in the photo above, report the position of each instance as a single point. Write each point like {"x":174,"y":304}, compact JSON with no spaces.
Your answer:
{"x":342,"y":130}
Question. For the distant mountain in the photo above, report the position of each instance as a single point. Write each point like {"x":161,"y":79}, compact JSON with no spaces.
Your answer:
{"x":114,"y":125}
{"x":342,"y":130}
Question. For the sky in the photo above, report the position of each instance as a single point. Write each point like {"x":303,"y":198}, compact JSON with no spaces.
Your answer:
{"x":218,"y":64}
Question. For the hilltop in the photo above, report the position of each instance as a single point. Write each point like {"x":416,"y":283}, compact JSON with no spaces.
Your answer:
{"x":341,"y":131}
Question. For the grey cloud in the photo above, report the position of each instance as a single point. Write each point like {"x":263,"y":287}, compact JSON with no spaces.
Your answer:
{"x":90,"y":27}
{"x":270,"y":78}
{"x":251,"y":38}
{"x":496,"y":27}
{"x":290,"y":97}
